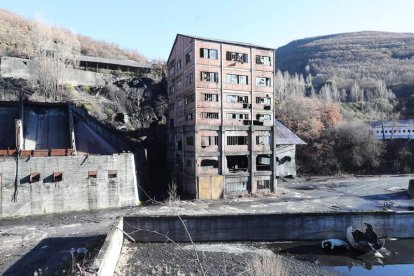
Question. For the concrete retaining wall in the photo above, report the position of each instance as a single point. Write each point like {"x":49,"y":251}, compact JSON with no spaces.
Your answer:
{"x":107,"y":259}
{"x":269,"y":227}
{"x":11,"y":67}
{"x":75,"y":192}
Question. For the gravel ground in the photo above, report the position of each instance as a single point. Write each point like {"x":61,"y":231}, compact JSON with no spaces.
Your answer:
{"x":19,"y":237}
{"x":216,"y":259}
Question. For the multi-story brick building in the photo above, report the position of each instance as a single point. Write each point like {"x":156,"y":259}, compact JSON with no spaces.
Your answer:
{"x":221,"y":117}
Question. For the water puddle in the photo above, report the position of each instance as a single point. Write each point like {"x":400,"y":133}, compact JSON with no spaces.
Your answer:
{"x":398,"y":258}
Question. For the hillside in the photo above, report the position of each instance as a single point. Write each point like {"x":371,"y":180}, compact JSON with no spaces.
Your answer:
{"x":18,"y":37}
{"x":347,"y":58}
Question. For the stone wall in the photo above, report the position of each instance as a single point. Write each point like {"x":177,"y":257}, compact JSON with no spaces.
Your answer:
{"x":80,"y":189}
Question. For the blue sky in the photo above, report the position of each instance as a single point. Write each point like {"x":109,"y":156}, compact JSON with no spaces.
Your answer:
{"x":150,"y":26}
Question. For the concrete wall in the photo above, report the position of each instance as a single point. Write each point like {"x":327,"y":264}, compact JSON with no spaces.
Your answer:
{"x":286,"y":160}
{"x":75,"y":192}
{"x":270,"y":227}
{"x":11,"y":67}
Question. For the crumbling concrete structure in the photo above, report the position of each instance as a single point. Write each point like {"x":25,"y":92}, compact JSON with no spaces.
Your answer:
{"x":46,"y":166}
{"x":91,"y":71}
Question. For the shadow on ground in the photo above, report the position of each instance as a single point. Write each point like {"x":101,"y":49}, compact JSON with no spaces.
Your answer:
{"x":52,"y":255}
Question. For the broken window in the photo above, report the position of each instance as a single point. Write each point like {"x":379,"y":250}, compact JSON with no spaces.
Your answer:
{"x":188,"y":57}
{"x":171,"y":68}
{"x":263,"y":162}
{"x":240,"y":57}
{"x":237,"y":140}
{"x":236,"y":186}
{"x":190,"y":140}
{"x":263,"y":100}
{"x":237,"y":79}
{"x":210,"y":97}
{"x":34,"y":177}
{"x":237,"y":116}
{"x":262,"y":140}
{"x":263,"y":117}
{"x":189,"y":99}
{"x":178,"y":85}
{"x":263,"y":184}
{"x":284,"y":159}
{"x":209,"y":115}
{"x":208,"y":53}
{"x":263,"y":81}
{"x":237,"y":163}
{"x":205,"y":163}
{"x":264,"y":60}
{"x":207,"y":141}
{"x":92,"y":174}
{"x":57,"y":176}
{"x":171,"y":90}
{"x":237,"y":99}
{"x":188,"y":116}
{"x":189,"y":79}
{"x":112,"y":173}
{"x":209,"y":76}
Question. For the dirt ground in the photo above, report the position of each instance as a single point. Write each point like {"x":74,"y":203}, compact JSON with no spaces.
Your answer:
{"x":30,"y":242}
{"x":215,"y":259}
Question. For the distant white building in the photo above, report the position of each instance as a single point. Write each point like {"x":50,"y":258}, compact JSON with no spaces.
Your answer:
{"x":398,"y":129}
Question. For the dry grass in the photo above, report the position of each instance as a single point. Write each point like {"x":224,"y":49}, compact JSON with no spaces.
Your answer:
{"x":18,"y":38}
{"x":267,"y":265}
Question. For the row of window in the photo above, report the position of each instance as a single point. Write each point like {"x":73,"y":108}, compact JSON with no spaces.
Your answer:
{"x":213,"y":77}
{"x":229,"y":116}
{"x":214,"y":98}
{"x":58,"y":176}
{"x":234,"y":56}
{"x":395,"y":131}
{"x":235,"y":79}
{"x":207,"y":141}
{"x":213,"y":54}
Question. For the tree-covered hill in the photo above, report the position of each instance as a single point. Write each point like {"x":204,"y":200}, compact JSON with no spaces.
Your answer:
{"x":349,"y":58}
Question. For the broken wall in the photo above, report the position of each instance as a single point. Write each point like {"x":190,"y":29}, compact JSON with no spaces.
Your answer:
{"x":87,"y":183}
{"x":285,"y":160}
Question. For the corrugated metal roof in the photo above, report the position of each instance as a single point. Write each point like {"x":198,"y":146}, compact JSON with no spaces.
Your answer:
{"x":228,"y":42}
{"x":125,"y":62}
{"x":393,"y":123}
{"x":285,"y":136}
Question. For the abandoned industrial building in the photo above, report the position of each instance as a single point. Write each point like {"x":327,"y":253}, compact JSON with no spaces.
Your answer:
{"x":56,"y":158}
{"x":221,"y":117}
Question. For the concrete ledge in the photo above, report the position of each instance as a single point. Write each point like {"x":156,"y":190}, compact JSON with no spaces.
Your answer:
{"x":268,"y":227}
{"x":107,"y":259}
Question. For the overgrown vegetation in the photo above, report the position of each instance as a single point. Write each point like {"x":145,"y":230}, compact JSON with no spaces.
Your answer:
{"x":337,"y":135}
{"x":19,"y":37}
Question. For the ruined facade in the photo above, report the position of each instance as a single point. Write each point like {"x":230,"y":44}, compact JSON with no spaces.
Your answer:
{"x":285,"y":150}
{"x":54,"y":158}
{"x":221,"y":110}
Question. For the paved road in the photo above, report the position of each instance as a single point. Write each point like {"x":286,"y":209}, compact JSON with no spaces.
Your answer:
{"x":19,"y":238}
